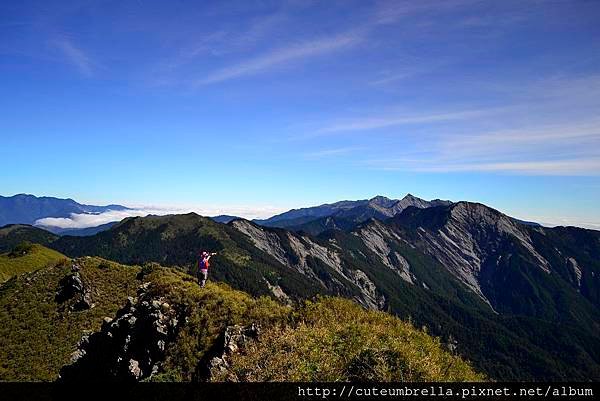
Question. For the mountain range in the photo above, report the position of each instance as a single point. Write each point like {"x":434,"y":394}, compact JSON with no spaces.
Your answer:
{"x":345,"y":214}
{"x":29,"y":209}
{"x":521,"y":301}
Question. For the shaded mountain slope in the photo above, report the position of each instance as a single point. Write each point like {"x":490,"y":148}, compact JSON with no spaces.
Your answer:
{"x":507,"y":345}
{"x":176,"y":240}
{"x":13,"y":234}
{"x":82,"y":232}
{"x":320,"y":225}
{"x":517,"y":268}
{"x":224,"y":218}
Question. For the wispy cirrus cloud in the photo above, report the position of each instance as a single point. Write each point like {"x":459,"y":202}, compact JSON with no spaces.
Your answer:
{"x":389,"y":78}
{"x":74,"y":55}
{"x":279,"y":57}
{"x":326,"y":153}
{"x":545,"y":129}
{"x":559,"y":149}
{"x":228,"y":40}
{"x":398,"y":119}
{"x":384,"y":14}
{"x":569,"y":167}
{"x":391,"y":11}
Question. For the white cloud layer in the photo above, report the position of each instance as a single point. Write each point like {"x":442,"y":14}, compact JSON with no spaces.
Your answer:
{"x":92,"y":220}
{"x":549,"y":221}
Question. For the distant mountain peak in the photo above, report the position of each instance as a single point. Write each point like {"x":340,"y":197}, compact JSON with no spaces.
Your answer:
{"x":379,"y":198}
{"x":382,"y":201}
{"x":411,"y":196}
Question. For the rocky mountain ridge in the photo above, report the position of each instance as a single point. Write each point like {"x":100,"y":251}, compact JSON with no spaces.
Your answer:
{"x":379,"y":207}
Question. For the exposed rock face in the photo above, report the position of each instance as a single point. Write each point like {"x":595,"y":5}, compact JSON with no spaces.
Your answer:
{"x":72,"y":287}
{"x":471,"y":237}
{"x":264,"y":240}
{"x":303,"y":247}
{"x":377,"y":237}
{"x":303,"y":254}
{"x":278,"y":292}
{"x":232,"y":341}
{"x":572,"y":263}
{"x":369,"y":290}
{"x":130,"y":347}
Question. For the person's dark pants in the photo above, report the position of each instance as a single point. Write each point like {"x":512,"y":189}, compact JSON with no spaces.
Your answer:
{"x":202,"y":276}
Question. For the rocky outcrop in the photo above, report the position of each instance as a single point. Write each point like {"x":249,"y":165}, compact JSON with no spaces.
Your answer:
{"x":278,"y":292}
{"x":72,"y":287}
{"x":234,"y":339}
{"x":371,"y":297}
{"x":129,"y":347}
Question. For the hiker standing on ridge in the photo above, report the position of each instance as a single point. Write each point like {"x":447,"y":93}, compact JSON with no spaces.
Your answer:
{"x":203,"y":265}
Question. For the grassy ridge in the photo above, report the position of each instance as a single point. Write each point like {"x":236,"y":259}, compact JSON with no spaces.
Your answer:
{"x":209,"y":311}
{"x":328,"y":339}
{"x":26,"y":259}
{"x":334,"y":339}
{"x":37,"y":335}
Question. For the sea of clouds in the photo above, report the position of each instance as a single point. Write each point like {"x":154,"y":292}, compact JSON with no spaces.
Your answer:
{"x":85,"y":220}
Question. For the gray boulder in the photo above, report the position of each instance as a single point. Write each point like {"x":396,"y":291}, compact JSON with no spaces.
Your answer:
{"x":72,"y":287}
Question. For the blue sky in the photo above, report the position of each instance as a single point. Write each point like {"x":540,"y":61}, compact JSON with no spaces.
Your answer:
{"x":257,"y":106}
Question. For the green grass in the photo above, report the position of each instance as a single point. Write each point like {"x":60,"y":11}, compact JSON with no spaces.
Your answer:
{"x":37,"y":335}
{"x":328,"y":339}
{"x":209,"y":310}
{"x":334,"y":339}
{"x":30,"y":258}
